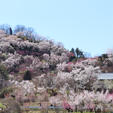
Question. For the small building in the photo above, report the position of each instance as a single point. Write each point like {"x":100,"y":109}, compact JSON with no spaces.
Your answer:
{"x":105,"y":82}
{"x":105,"y":76}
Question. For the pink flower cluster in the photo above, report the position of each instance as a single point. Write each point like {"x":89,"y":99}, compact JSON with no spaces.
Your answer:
{"x":66,"y":105}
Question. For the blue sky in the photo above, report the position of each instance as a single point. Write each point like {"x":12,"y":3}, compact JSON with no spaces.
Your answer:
{"x":87,"y":24}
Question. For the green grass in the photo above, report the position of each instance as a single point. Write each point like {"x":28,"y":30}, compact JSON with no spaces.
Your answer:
{"x":2,"y":106}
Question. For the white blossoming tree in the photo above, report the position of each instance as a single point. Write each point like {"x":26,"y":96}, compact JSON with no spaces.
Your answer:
{"x":81,"y":77}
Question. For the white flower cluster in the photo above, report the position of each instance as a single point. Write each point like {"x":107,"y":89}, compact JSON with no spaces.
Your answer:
{"x":26,"y":87}
{"x":25,"y":44}
{"x":63,"y":58}
{"x":84,"y":73}
{"x":2,"y":34}
{"x":44,"y":45}
{"x":55,"y":59}
{"x":55,"y":100}
{"x":85,"y":100}
{"x":41,"y":89}
{"x":12,"y":60}
{"x":37,"y":64}
{"x":46,"y":57}
{"x":5,"y":46}
{"x":57,"y":49}
{"x":110,"y":58}
{"x":62,"y":66}
{"x":51,"y":52}
{"x":91,"y":99}
{"x":63,"y":77}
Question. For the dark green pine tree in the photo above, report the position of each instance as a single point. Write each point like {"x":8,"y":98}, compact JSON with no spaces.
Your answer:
{"x":27,"y":75}
{"x":79,"y":53}
{"x":73,"y":51}
{"x":10,"y":31}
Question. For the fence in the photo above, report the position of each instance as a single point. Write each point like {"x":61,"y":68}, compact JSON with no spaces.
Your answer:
{"x":57,"y":109}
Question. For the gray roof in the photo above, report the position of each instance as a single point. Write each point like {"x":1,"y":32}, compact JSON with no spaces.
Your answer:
{"x":105,"y":76}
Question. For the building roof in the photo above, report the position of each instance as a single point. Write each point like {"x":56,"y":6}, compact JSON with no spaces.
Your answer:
{"x":105,"y":76}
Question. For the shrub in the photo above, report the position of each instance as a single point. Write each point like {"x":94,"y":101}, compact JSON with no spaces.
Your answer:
{"x":11,"y":106}
{"x":104,"y":56}
{"x":22,"y":37}
{"x":3,"y":57}
{"x":27,"y":75}
{"x":5,"y":91}
{"x":3,"y":72}
{"x":52,"y":92}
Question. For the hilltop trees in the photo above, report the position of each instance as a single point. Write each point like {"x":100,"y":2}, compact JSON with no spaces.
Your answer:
{"x":6,"y":28}
{"x":76,"y":54}
{"x":21,"y":30}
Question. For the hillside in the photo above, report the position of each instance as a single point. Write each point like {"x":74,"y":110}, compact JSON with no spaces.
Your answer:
{"x":40,"y":66}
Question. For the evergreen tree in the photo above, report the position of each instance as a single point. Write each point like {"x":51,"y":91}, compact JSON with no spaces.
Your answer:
{"x":73,"y":51}
{"x":27,"y":75}
{"x":10,"y":31}
{"x":79,"y":53}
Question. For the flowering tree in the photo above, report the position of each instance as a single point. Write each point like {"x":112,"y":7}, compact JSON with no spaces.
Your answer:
{"x":82,"y":75}
{"x":90,"y":100}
